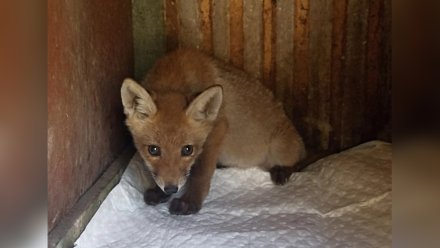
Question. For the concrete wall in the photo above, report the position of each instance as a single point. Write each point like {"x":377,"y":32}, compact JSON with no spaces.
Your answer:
{"x":90,"y":52}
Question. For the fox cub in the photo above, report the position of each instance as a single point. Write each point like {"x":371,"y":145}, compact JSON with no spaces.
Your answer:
{"x":193,"y":112}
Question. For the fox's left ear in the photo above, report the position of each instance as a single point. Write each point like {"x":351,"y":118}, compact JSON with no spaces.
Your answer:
{"x":205,"y":106}
{"x":136,"y":100}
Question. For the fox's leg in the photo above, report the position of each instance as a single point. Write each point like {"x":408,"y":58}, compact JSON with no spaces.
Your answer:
{"x":155,"y":196}
{"x":286,"y":150}
{"x":199,"y":181}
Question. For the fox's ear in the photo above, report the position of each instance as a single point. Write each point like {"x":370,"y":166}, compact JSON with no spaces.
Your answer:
{"x":136,"y":100}
{"x":206,"y":105}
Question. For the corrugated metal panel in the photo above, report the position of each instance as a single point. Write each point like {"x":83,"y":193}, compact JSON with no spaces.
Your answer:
{"x":328,"y":61}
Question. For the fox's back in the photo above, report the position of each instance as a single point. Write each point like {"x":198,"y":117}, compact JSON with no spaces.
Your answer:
{"x":186,"y":71}
{"x":252,"y":113}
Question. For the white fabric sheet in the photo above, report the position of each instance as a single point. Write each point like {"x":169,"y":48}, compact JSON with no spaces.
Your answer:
{"x":343,"y":200}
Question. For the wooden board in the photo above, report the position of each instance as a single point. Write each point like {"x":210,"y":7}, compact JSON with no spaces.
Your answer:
{"x":90,"y":52}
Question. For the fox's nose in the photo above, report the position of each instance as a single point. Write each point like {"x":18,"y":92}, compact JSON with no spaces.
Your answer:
{"x":170,"y":189}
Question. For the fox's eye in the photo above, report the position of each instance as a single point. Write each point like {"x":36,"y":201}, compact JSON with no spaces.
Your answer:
{"x":154,"y":150}
{"x":187,"y":150}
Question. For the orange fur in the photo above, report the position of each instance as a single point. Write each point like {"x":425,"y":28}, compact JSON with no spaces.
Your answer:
{"x":189,"y":98}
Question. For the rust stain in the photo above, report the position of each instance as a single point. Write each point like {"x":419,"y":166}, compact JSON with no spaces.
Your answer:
{"x":269,"y":39}
{"x":206,"y":24}
{"x":354,"y":83}
{"x":253,"y":37}
{"x":190,"y":34}
{"x":373,"y":66}
{"x":301,"y":65}
{"x":320,"y":67}
{"x":327,"y":97}
{"x":236,"y":32}
{"x":221,"y":33}
{"x":171,"y":25}
{"x":337,"y":70}
{"x":284,"y":55}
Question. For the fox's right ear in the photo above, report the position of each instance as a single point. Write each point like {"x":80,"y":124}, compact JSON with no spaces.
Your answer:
{"x":206,"y":106}
{"x":136,"y":100}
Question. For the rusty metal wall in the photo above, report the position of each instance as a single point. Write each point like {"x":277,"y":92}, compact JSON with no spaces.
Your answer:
{"x":90,"y":52}
{"x":329,"y":62}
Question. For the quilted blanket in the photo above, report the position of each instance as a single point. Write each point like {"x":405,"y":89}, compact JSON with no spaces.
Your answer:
{"x":343,"y":200}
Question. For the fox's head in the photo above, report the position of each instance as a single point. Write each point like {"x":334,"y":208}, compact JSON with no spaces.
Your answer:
{"x":169,"y":130}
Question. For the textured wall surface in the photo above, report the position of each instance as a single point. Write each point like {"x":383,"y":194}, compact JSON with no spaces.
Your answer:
{"x":329,"y":62}
{"x":90,"y":52}
{"x":148,"y":34}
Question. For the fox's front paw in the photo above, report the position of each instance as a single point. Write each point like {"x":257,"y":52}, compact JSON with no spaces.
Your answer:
{"x":182,"y":207}
{"x":155,"y":196}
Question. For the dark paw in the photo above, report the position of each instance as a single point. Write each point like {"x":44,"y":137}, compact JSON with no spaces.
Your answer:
{"x":183,"y":207}
{"x":280,"y":174}
{"x":155,"y":196}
